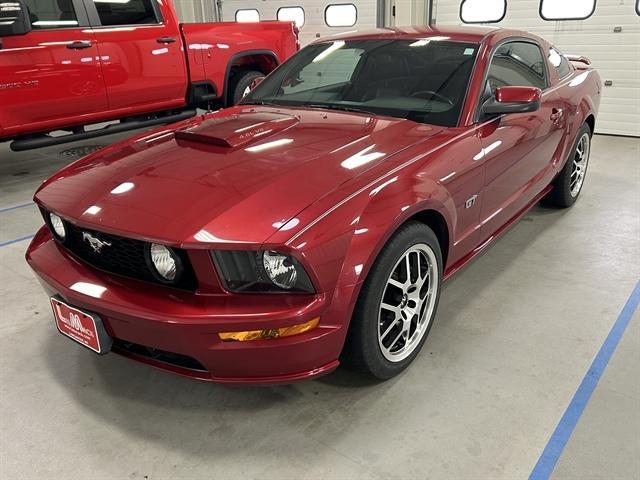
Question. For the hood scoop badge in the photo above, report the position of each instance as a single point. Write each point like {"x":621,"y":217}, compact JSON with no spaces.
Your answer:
{"x":236,"y":130}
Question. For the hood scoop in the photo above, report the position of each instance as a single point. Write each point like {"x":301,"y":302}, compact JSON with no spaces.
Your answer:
{"x":237,"y":130}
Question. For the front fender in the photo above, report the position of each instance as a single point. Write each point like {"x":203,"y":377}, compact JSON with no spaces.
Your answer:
{"x":386,"y":211}
{"x":340,"y":243}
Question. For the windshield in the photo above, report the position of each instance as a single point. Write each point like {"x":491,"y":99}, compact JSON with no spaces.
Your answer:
{"x":424,"y":80}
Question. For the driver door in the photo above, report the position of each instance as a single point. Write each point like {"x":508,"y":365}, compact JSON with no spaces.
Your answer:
{"x":519,"y":149}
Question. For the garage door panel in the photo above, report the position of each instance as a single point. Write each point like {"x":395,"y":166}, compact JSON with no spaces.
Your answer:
{"x":314,"y":25}
{"x":615,"y":55}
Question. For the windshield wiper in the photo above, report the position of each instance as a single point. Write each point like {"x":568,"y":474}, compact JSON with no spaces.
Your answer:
{"x":343,"y":108}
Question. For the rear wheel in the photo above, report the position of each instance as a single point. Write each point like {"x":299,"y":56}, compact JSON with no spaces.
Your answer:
{"x":397,"y":304}
{"x":240,"y":83}
{"x":568,"y":184}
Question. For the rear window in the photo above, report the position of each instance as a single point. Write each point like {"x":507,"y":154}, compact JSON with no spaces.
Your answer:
{"x":126,"y":12}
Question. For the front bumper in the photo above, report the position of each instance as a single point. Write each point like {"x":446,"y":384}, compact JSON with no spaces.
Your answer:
{"x":168,"y":328}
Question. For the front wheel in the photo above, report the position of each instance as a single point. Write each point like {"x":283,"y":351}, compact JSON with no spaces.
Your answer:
{"x":568,"y":184}
{"x":397,"y":304}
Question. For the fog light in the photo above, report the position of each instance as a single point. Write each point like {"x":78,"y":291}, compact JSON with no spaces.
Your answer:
{"x":58,"y":226}
{"x":270,"y":333}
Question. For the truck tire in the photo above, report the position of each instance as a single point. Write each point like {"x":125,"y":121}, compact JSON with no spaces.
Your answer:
{"x":240,"y":83}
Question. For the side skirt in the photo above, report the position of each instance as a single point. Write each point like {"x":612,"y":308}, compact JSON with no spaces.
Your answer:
{"x":456,"y":267}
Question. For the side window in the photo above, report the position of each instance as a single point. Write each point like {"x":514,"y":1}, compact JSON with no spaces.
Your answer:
{"x":319,"y":74}
{"x":483,"y":11}
{"x":129,"y":12}
{"x":291,"y":14}
{"x":566,"y":9}
{"x":341,"y":15}
{"x":559,"y":62}
{"x":517,"y":64}
{"x":247,"y":16}
{"x":51,"y":14}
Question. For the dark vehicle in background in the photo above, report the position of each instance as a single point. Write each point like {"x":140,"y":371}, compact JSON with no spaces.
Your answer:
{"x":65,"y":64}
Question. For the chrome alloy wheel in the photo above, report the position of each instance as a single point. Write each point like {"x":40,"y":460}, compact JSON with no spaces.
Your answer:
{"x":408,"y":301}
{"x":579,"y":166}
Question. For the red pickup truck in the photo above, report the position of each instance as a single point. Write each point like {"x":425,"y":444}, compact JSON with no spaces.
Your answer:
{"x":66,"y":64}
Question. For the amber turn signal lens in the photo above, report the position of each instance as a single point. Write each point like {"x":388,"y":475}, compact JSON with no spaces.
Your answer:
{"x":270,"y":333}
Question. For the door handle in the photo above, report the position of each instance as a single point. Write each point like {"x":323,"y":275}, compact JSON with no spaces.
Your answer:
{"x":79,"y":45}
{"x":556,"y":114}
{"x":166,"y":40}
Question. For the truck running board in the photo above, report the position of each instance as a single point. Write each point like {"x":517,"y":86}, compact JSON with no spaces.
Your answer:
{"x":46,"y":140}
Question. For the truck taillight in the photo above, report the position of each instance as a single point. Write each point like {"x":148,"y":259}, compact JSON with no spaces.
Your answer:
{"x":296,"y":33}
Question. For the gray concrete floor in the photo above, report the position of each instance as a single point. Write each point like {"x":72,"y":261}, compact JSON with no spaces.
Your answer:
{"x":515,"y":334}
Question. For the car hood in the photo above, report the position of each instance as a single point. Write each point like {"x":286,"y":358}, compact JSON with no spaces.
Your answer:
{"x":234,"y":176}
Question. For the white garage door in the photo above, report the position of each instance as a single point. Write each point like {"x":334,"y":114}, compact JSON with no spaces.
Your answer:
{"x":610,"y":37}
{"x":315,"y":18}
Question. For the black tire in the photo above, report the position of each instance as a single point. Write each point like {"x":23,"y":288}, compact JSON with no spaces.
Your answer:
{"x":562,"y":196}
{"x":362,"y":350}
{"x":239,"y":83}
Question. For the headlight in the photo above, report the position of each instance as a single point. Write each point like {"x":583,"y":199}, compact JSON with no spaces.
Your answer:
{"x":257,"y":271}
{"x":58,"y":226}
{"x":280,"y":269}
{"x":165,"y":262}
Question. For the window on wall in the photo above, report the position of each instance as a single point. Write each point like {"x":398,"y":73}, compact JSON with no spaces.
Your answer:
{"x":567,"y":9}
{"x":246,"y":16}
{"x":482,"y":11}
{"x":51,"y":14}
{"x":559,"y":62}
{"x":131,"y":12}
{"x":517,"y":64}
{"x":341,"y":15}
{"x":291,"y":14}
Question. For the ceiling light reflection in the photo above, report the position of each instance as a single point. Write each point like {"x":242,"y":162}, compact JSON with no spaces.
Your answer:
{"x":122,"y":188}
{"x":268,"y":145}
{"x":361,"y":158}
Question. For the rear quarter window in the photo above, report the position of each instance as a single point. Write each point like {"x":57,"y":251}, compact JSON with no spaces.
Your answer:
{"x":559,"y":62}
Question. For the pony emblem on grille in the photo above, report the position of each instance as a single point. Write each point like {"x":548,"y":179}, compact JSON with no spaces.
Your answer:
{"x":95,"y":242}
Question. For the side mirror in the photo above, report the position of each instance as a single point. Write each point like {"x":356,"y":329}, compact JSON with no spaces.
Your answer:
{"x":512,"y":100}
{"x":14,"y":19}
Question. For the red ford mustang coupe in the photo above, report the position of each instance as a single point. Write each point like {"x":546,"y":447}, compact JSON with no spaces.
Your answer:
{"x":315,"y":222}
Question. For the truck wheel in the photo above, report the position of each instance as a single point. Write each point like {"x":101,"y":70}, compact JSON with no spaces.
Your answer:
{"x":240,"y":83}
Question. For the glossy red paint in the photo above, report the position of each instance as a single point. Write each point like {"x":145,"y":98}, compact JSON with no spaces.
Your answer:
{"x":518,"y":94}
{"x":127,"y":69}
{"x":328,"y":187}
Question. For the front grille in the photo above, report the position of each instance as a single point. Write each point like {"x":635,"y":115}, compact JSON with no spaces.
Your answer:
{"x":123,"y":256}
{"x":163,"y":356}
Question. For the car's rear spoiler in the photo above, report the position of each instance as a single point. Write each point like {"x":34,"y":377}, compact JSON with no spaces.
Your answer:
{"x":579,"y":59}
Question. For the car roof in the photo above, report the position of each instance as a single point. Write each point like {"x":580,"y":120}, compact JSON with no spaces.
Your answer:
{"x":472,"y":34}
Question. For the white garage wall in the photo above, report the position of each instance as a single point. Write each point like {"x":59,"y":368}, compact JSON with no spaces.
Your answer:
{"x":314,"y":25}
{"x":615,"y":55}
